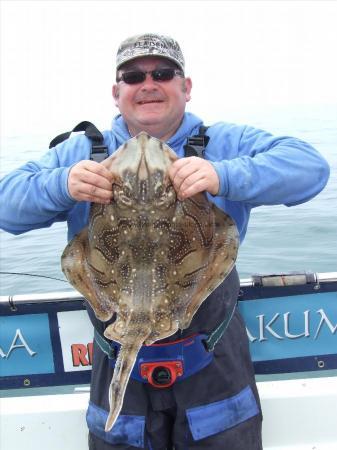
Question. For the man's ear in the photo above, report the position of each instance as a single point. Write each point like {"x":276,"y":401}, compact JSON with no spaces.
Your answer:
{"x":115,"y":93}
{"x":188,"y":88}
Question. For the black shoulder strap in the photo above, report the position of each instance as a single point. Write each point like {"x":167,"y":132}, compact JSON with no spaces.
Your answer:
{"x":99,"y":151}
{"x":196,"y":144}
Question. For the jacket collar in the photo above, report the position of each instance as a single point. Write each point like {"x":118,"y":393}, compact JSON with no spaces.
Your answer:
{"x":189,"y":126}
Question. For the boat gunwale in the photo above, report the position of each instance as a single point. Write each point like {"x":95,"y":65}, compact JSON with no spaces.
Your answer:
{"x":253,"y":281}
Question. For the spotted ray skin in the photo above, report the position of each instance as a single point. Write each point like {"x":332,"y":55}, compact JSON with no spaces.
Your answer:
{"x":147,"y":256}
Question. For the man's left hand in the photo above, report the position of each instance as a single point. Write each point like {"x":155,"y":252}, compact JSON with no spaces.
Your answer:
{"x":192,"y":175}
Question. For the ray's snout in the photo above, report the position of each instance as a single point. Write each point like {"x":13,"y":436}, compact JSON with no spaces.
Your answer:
{"x":146,"y":161}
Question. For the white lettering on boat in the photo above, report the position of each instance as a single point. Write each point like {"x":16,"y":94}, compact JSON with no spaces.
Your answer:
{"x":325,"y":319}
{"x":266,"y":330}
{"x":18,"y":342}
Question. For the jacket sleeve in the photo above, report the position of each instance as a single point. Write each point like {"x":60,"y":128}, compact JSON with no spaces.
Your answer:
{"x":265,"y":170}
{"x":36,"y":194}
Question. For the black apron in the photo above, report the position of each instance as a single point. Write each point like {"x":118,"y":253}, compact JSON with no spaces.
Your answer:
{"x":216,"y":408}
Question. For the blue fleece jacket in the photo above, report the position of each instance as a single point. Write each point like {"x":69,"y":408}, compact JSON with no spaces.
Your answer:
{"x":254,"y":168}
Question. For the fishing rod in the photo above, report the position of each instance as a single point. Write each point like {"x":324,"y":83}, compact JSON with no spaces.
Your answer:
{"x":32,"y":275}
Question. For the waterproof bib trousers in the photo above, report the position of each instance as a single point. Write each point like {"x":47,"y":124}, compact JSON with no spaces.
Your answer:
{"x":216,"y":408}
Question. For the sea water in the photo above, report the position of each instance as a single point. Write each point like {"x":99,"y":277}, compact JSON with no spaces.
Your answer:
{"x":279,"y":239}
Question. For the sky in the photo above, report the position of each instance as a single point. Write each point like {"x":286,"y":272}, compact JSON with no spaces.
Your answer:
{"x":57,"y":58}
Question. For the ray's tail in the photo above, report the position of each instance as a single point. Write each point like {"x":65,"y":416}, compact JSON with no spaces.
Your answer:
{"x":124,"y":364}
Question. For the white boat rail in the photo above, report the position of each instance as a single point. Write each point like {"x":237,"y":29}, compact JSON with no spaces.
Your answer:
{"x":278,"y":279}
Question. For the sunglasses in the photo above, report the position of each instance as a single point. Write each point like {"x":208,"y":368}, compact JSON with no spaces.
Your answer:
{"x":138,"y":76}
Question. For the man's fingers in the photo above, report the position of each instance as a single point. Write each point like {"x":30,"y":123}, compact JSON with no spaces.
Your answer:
{"x":94,"y":168}
{"x":180,"y":170}
{"x":179,"y":164}
{"x":196,"y":178}
{"x":90,"y":181}
{"x":96,"y":180}
{"x":94,"y":199}
{"x":193,"y":189}
{"x":192,"y":175}
{"x":95,"y":192}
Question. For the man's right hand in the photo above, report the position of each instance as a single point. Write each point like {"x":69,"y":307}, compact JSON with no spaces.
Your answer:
{"x":89,"y":181}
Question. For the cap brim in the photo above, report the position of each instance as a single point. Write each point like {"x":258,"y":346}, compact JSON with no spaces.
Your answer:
{"x":156,"y":55}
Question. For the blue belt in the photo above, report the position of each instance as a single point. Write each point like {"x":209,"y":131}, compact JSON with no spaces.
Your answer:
{"x":176,"y":360}
{"x":170,"y":361}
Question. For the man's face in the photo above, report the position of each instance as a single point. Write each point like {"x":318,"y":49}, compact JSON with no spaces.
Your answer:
{"x":156,"y":107}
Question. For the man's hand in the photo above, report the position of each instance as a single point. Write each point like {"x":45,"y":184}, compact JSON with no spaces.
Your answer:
{"x":91,"y":182}
{"x":192,"y":175}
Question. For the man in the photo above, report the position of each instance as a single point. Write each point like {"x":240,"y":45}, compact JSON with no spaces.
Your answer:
{"x":217,"y":407}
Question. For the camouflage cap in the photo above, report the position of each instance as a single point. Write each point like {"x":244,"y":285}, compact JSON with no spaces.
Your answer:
{"x":150,"y":45}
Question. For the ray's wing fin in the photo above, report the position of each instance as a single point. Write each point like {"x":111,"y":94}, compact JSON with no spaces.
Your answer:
{"x":75,"y":268}
{"x":216,"y":255}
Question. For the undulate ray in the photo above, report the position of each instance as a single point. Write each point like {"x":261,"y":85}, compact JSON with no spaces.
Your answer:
{"x":147,"y":256}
